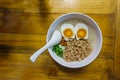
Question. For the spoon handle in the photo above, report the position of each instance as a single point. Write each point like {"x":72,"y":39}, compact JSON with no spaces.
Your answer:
{"x":56,"y":38}
{"x":36,"y":54}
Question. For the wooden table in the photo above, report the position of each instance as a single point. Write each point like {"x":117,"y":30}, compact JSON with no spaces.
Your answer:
{"x":23,"y":29}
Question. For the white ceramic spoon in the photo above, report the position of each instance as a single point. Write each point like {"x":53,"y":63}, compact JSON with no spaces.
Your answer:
{"x":55,"y":39}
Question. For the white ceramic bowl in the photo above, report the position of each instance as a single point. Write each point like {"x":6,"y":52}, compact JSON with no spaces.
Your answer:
{"x":92,"y":26}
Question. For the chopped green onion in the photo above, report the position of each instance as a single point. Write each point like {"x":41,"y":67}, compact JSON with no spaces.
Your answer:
{"x":58,"y":50}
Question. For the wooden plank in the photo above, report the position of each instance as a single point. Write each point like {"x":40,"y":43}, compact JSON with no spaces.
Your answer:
{"x":61,"y":6}
{"x":35,"y":40}
{"x":29,"y":43}
{"x":25,"y":22}
{"x":26,"y":76}
{"x":117,"y":42}
{"x":17,"y":41}
{"x":35,"y":23}
{"x":45,"y":59}
{"x":19,"y":66}
{"x":82,"y":77}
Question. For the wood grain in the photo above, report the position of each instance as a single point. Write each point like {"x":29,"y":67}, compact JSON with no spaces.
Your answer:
{"x":35,"y":23}
{"x":117,"y":42}
{"x":60,"y":6}
{"x":32,"y":42}
{"x":22,"y":68}
{"x":23,"y":28}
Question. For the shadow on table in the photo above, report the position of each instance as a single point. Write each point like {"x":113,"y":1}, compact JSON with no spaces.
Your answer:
{"x":44,"y":9}
{"x":69,"y":70}
{"x":44,"y":13}
{"x":53,"y":69}
{"x":5,"y":49}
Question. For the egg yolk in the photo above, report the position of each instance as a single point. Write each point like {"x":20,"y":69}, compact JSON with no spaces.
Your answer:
{"x":81,"y":33}
{"x":68,"y":32}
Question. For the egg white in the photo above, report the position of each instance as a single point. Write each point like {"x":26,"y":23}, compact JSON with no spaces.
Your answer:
{"x":81,"y":26}
{"x":65,"y":26}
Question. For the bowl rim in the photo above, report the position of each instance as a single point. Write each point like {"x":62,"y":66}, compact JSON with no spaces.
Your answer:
{"x":100,"y":33}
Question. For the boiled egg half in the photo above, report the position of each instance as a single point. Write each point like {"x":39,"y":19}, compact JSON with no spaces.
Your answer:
{"x":67,"y":31}
{"x":81,"y":31}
